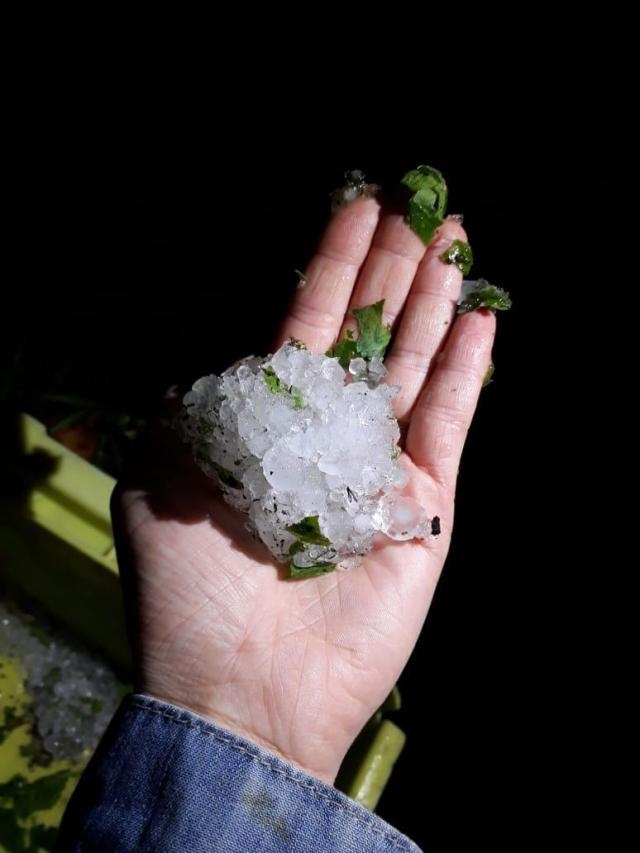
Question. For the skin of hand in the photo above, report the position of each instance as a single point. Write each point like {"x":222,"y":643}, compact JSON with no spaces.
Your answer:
{"x":299,"y":666}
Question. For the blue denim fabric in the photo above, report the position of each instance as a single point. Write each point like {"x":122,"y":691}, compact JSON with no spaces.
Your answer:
{"x":164,"y":779}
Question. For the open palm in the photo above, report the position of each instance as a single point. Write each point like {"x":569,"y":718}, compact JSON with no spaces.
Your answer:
{"x":299,"y":666}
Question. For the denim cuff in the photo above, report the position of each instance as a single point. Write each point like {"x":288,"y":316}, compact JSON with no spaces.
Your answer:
{"x":165,"y":779}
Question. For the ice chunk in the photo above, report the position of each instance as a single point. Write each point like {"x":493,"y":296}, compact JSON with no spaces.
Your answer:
{"x":401,"y":517}
{"x":295,"y":439}
{"x":372,"y":372}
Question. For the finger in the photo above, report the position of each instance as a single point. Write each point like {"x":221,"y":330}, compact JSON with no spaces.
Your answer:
{"x":441,"y":417}
{"x":426,"y":321}
{"x":388,"y":270}
{"x":318,"y":307}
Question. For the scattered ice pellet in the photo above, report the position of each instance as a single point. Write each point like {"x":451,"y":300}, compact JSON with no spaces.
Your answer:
{"x":74,"y":695}
{"x":358,"y":368}
{"x":401,"y":518}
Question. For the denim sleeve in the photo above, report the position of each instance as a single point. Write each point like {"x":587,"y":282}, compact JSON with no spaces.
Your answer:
{"x":164,"y":779}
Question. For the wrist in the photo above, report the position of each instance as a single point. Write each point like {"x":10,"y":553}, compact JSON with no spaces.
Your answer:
{"x":326,"y":773}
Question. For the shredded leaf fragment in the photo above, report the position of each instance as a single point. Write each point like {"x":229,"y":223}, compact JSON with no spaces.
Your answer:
{"x":373,"y":338}
{"x":428,"y":204}
{"x":481,"y":294}
{"x":374,"y":334}
{"x":460,"y":254}
{"x":277,"y":386}
{"x":344,"y":350}
{"x":308,"y":531}
{"x":311,"y":571}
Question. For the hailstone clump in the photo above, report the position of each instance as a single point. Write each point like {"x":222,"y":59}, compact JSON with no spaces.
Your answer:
{"x":308,"y":448}
{"x":307,"y":444}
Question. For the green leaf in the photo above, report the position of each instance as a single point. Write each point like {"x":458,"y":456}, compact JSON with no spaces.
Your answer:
{"x":460,"y":254}
{"x":428,"y":204}
{"x":272,"y":382}
{"x":277,"y":386}
{"x":344,"y":350}
{"x":481,"y":294}
{"x":311,"y":571}
{"x":226,"y":476}
{"x":308,"y":531}
{"x":374,"y":336}
{"x":205,"y":427}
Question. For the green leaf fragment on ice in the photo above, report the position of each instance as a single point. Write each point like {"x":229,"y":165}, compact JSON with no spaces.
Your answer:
{"x":428,"y":204}
{"x":277,"y":386}
{"x":272,"y":381}
{"x":308,"y":531}
{"x":344,"y":350}
{"x":226,"y":477}
{"x":460,"y":254}
{"x":205,"y":427}
{"x":373,"y":338}
{"x":311,"y":571}
{"x":481,"y":294}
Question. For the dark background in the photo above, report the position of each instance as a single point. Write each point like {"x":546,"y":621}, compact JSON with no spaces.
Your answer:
{"x":147,"y":264}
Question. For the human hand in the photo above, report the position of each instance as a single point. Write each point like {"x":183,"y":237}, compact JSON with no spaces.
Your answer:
{"x":300,"y":666}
